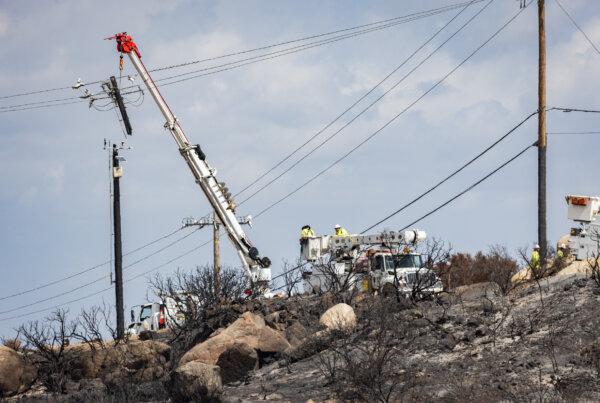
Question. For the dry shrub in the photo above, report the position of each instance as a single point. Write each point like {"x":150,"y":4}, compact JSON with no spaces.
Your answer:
{"x":591,"y":356}
{"x":495,"y":265}
{"x":13,"y":343}
{"x":366,"y":363}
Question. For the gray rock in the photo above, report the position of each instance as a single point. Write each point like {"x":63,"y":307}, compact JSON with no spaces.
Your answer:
{"x":236,"y":362}
{"x":196,"y":381}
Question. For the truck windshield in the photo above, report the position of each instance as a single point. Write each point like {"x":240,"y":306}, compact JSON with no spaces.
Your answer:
{"x":146,"y":312}
{"x":405,"y":261}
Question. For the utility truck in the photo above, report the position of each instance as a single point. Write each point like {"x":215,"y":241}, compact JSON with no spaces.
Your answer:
{"x":153,"y":316}
{"x":584,"y":240}
{"x":373,"y":263}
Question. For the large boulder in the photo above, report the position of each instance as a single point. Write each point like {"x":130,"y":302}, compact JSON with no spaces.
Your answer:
{"x":249,"y":329}
{"x":15,"y":375}
{"x":140,"y":361}
{"x":11,"y":368}
{"x":197,"y":382}
{"x":339,"y":317}
{"x":295,"y":334}
{"x":236,"y":362}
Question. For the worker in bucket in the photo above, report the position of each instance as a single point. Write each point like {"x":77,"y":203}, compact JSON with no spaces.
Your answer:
{"x":306,"y":232}
{"x":340,"y":231}
{"x":535,"y":258}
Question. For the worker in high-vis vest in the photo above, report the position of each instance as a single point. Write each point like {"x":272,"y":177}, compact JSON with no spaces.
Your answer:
{"x":306,"y":232}
{"x":535,"y":258}
{"x":340,"y":231}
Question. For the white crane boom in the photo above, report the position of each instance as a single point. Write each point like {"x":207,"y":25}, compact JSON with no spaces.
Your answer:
{"x":315,"y":247}
{"x":215,"y":191}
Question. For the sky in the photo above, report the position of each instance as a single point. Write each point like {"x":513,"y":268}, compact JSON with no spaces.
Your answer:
{"x":55,"y":194}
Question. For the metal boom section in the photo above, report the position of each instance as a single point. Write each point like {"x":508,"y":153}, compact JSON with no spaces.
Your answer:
{"x":204,"y":174}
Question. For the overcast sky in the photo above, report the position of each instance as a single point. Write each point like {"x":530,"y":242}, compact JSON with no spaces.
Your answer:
{"x":55,"y":181}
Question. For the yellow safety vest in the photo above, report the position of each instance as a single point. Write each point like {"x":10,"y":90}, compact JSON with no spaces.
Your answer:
{"x":535,"y":259}
{"x":341,"y":232}
{"x":308,"y":232}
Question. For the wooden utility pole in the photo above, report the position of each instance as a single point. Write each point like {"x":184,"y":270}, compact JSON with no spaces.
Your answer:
{"x":542,"y":239}
{"x":216,"y":253}
{"x":216,"y":224}
{"x":117,"y":173}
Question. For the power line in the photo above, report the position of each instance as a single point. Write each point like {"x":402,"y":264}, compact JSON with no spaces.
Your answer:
{"x":79,"y":273}
{"x":55,"y":102}
{"x":283,"y":52}
{"x":451,"y":175}
{"x":578,"y":27}
{"x":234,"y":64}
{"x":567,"y":110}
{"x":589,"y":132}
{"x":338,"y":117}
{"x":94,"y":281}
{"x":464,"y":61}
{"x":435,"y":10}
{"x":446,"y":203}
{"x":105,"y":289}
{"x":364,"y":110}
{"x":439,"y":10}
{"x":209,"y":70}
{"x":313,"y":178}
{"x":40,"y":106}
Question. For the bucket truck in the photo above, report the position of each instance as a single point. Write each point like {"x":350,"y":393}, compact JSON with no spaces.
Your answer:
{"x":584,"y":240}
{"x":369,"y":262}
{"x":257,"y":267}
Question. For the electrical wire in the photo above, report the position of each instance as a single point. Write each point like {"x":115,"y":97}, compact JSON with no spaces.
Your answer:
{"x":446,"y":203}
{"x":567,"y":110}
{"x":428,"y":91}
{"x":590,"y":132}
{"x":79,"y":273}
{"x":339,"y":116}
{"x":268,"y":56}
{"x":98,"y":279}
{"x":440,"y":9}
{"x":103,"y":290}
{"x":435,"y":10}
{"x":232,"y":65}
{"x":364,"y":110}
{"x":451,"y":175}
{"x":262,"y":212}
{"x":578,"y":27}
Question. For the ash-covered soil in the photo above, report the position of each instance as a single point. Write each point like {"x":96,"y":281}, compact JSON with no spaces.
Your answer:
{"x":538,"y":343}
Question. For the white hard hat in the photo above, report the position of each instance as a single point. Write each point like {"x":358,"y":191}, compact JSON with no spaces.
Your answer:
{"x":562,"y":245}
{"x":536,"y":246}
{"x":337,"y":226}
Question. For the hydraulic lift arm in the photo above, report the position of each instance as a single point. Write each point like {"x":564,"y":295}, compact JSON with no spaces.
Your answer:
{"x":193,"y":155}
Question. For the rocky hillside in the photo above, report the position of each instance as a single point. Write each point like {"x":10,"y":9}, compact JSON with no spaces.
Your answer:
{"x":541,"y":341}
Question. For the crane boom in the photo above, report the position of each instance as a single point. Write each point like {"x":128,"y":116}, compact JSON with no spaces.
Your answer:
{"x":215,"y":191}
